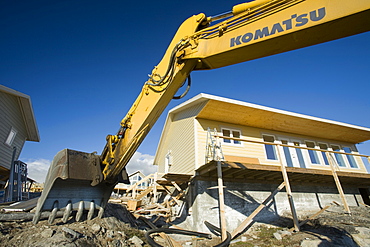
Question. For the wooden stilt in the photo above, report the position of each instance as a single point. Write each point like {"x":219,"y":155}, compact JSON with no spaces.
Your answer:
{"x":221,"y":201}
{"x":288,"y":191}
{"x":250,"y":218}
{"x":337,"y":182}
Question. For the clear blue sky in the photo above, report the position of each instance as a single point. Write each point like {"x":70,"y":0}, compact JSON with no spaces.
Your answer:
{"x":84,"y":62}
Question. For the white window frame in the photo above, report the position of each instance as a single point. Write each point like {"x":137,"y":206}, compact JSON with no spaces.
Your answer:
{"x":316,"y":153}
{"x":304,"y":153}
{"x":322,"y":160}
{"x":341,"y":155}
{"x":346,"y":160}
{"x":232,"y":142}
{"x":273,"y":146}
{"x":11,"y":137}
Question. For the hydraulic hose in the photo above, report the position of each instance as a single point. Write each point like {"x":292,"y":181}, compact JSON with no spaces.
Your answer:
{"x":150,"y":240}
{"x":172,"y":230}
{"x":226,"y":242}
{"x":186,"y":90}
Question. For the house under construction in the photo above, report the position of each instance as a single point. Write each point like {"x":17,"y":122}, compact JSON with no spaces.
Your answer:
{"x":232,"y":158}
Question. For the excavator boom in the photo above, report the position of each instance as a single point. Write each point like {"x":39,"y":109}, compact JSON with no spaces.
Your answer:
{"x":83,"y":182}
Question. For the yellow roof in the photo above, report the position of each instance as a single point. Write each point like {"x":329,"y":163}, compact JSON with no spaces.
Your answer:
{"x":243,"y":113}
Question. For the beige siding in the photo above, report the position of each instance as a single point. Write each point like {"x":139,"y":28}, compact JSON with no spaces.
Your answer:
{"x":253,"y":150}
{"x":179,"y":139}
{"x":10,"y":117}
{"x":245,"y":150}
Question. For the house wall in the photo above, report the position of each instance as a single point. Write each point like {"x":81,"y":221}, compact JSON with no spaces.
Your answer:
{"x":10,"y":117}
{"x":180,"y":142}
{"x":241,"y":199}
{"x":256,"y":152}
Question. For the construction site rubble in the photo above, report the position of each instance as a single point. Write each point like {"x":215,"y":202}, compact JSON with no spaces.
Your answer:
{"x":120,"y":228}
{"x":148,"y":216}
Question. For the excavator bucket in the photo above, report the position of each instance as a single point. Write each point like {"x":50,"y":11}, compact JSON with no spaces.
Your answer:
{"x":68,"y":187}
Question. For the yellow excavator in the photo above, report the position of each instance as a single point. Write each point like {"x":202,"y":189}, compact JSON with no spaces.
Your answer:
{"x":83,"y":182}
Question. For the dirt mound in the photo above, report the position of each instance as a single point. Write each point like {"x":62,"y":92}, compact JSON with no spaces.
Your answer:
{"x":116,"y":228}
{"x":119,"y":228}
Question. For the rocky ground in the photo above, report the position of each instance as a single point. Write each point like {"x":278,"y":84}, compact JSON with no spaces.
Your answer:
{"x":118,"y":228}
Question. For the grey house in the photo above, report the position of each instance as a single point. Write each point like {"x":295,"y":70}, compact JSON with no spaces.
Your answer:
{"x":17,"y":125}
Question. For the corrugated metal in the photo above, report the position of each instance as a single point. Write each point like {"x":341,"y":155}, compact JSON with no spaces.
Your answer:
{"x":10,"y":116}
{"x":180,"y":139}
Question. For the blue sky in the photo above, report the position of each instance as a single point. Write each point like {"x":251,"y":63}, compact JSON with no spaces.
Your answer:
{"x":84,"y":62}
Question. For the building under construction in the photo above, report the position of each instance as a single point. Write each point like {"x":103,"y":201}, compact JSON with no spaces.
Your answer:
{"x":248,"y":162}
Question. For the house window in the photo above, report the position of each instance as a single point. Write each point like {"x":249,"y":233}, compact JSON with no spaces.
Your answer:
{"x":338,"y":157}
{"x":325,"y":158}
{"x":232,"y":134}
{"x":270,"y":149}
{"x":287,"y":154}
{"x":9,"y":140}
{"x":299,"y":154}
{"x":312,"y":153}
{"x":350,"y":158}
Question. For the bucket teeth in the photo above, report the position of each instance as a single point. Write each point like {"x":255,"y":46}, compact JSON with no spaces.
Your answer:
{"x":67,"y":212}
{"x":36,"y":217}
{"x":101,"y":213}
{"x":91,"y":213}
{"x":53,"y":213}
{"x":80,"y":211}
{"x":68,"y":187}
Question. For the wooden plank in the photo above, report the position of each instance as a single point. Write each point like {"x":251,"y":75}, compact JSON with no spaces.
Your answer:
{"x":144,"y":193}
{"x":221,"y":202}
{"x":337,"y":182}
{"x":250,"y":218}
{"x":314,"y":216}
{"x":288,"y":191}
{"x":241,"y":159}
{"x":133,"y":204}
{"x":138,"y":182}
{"x":311,"y":217}
{"x":176,"y":186}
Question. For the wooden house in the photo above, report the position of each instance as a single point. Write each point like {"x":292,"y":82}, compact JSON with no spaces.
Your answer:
{"x":17,"y":125}
{"x":257,"y":148}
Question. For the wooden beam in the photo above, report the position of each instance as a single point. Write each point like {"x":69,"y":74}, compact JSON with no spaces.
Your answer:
{"x":337,"y":182}
{"x":311,"y":217}
{"x":288,"y":191}
{"x":144,"y":193}
{"x":176,"y":186}
{"x":221,"y":201}
{"x":250,"y":218}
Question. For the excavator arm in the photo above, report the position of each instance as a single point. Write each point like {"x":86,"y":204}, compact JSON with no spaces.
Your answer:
{"x":83,"y":181}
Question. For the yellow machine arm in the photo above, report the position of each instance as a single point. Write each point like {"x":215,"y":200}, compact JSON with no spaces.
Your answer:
{"x":251,"y":30}
{"x":256,"y":29}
